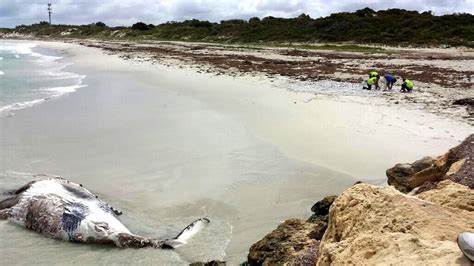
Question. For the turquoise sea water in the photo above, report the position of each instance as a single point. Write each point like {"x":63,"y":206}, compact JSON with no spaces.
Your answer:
{"x":30,"y":75}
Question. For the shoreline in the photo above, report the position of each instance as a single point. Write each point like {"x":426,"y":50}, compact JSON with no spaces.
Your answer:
{"x":441,"y":76}
{"x":165,"y":133}
{"x":52,"y":70}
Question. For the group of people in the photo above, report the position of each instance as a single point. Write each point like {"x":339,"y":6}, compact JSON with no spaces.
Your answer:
{"x":388,"y":81}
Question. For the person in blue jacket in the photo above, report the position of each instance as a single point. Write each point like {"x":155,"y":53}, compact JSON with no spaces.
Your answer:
{"x":389,"y":81}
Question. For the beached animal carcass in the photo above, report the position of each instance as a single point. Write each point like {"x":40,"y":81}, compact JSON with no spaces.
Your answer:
{"x":65,"y":210}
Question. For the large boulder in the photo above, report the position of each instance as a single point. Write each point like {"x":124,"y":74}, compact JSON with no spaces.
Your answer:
{"x":380,"y":225}
{"x":456,"y":165}
{"x":294,"y":242}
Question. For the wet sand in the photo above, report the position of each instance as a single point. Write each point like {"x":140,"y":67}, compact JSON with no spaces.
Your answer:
{"x":167,"y":145}
{"x":442,"y":77}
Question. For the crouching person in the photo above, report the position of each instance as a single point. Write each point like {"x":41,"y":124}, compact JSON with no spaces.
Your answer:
{"x":389,"y":81}
{"x":372,"y":81}
{"x":407,"y":85}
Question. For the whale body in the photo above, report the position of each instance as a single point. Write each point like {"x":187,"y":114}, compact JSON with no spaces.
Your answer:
{"x":65,"y":210}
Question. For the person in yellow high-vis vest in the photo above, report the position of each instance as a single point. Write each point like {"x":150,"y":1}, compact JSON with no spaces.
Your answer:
{"x":407,"y":85}
{"x":372,"y":81}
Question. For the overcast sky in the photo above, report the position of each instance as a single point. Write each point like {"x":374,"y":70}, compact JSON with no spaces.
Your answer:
{"x":127,"y":12}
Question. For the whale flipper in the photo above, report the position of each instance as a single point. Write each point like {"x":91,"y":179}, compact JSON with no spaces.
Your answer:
{"x":188,"y":232}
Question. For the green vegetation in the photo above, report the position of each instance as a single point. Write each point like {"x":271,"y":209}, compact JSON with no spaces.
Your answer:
{"x":390,"y":27}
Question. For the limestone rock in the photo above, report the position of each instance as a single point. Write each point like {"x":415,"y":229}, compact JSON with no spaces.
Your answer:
{"x":456,"y":165}
{"x":448,"y":193}
{"x":374,"y":225}
{"x":294,"y":242}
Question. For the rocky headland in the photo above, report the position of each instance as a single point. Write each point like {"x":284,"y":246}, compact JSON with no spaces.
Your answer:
{"x":413,"y":221}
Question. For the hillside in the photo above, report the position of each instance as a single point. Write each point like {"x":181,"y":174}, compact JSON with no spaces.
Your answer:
{"x":392,"y":26}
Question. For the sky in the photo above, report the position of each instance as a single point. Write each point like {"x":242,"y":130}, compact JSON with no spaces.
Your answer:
{"x":127,"y":12}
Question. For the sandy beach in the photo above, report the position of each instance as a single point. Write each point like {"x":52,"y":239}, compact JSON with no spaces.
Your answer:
{"x":443,"y":77}
{"x":167,"y":144}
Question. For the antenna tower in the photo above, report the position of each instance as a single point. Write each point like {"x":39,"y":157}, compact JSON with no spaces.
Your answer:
{"x":50,"y":11}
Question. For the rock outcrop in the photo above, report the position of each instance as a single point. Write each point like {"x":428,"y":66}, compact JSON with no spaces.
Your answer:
{"x":370,"y":225}
{"x":456,"y":165}
{"x":375,"y":225}
{"x":294,"y":242}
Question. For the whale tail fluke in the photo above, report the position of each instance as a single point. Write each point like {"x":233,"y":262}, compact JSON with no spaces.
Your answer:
{"x":187,"y":233}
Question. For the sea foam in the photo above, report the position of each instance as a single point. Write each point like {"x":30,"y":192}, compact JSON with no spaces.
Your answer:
{"x":18,"y":49}
{"x":50,"y":69}
{"x":20,"y":105}
{"x":58,"y":91}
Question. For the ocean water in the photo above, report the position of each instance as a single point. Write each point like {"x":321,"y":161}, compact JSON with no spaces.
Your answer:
{"x":30,"y":75}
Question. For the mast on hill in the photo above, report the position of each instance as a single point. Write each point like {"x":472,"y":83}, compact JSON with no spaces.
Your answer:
{"x":50,"y":11}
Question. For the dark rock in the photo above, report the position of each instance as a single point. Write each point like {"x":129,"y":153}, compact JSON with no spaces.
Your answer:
{"x":406,"y":177}
{"x":317,"y":218}
{"x":423,"y":163}
{"x":456,"y":165}
{"x":461,"y":163}
{"x":321,"y":207}
{"x":209,"y":263}
{"x":294,"y":242}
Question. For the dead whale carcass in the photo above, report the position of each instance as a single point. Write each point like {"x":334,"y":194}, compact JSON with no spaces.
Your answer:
{"x":65,"y":210}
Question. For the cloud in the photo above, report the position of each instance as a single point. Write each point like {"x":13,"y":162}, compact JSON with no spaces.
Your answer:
{"x":126,"y":12}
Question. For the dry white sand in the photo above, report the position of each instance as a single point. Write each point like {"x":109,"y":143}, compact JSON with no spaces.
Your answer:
{"x":168,"y":145}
